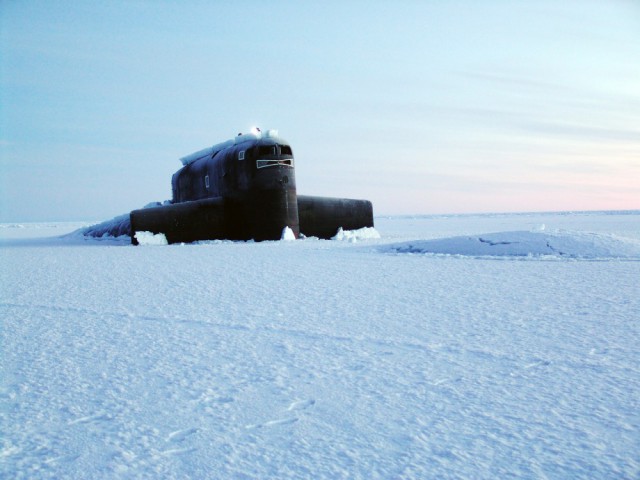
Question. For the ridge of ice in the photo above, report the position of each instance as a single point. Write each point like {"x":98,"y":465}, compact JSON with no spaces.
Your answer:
{"x":579,"y":245}
{"x":353,"y":236}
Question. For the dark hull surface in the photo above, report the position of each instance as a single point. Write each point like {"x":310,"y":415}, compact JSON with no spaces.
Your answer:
{"x":260,"y":218}
{"x":245,"y":189}
{"x":322,"y":217}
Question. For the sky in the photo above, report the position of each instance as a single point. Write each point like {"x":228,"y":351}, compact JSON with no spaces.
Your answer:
{"x":422,"y":107}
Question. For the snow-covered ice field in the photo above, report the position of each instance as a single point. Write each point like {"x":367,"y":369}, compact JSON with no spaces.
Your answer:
{"x":512,"y":351}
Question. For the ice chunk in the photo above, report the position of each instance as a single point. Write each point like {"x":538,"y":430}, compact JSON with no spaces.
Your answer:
{"x":355,"y":235}
{"x":287,"y":234}
{"x":149,"y":238}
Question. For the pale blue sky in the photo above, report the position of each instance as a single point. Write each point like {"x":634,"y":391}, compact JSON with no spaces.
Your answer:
{"x":421,"y":107}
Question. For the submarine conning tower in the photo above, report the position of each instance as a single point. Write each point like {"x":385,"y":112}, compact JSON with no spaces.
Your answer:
{"x":242,"y":189}
{"x":254,"y":176}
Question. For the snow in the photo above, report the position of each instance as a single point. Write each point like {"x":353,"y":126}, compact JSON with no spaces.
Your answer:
{"x":116,"y":227}
{"x":237,"y":140}
{"x":519,"y":244}
{"x":325,"y":359}
{"x":206,"y":152}
{"x":287,"y":234}
{"x":149,"y":238}
{"x":354,"y":235}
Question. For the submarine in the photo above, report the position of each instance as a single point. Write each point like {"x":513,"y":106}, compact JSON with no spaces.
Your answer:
{"x":245,"y":189}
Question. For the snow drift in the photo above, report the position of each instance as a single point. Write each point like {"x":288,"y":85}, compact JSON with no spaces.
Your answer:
{"x":525,"y":244}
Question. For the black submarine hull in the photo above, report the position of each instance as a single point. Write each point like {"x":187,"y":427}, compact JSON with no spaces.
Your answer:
{"x":245,"y":189}
{"x":182,"y":222}
{"x":263,"y":216}
{"x":322,"y":216}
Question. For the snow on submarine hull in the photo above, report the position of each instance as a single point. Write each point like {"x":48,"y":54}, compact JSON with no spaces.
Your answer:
{"x":245,"y":189}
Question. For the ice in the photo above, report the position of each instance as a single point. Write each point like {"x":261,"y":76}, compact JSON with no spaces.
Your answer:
{"x":149,"y":238}
{"x":116,"y":227}
{"x":525,"y":244}
{"x":325,"y":359}
{"x":354,"y":235}
{"x":287,"y":234}
{"x":237,"y":140}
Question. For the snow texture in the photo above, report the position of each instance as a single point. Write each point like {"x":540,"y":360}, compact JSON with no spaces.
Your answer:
{"x":287,"y":234}
{"x":325,"y":359}
{"x":149,"y":238}
{"x":519,"y":244}
{"x":354,"y":235}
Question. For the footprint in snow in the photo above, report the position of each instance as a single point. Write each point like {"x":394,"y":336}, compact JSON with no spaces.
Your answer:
{"x":180,"y":435}
{"x":90,"y":418}
{"x":176,"y":451}
{"x":273,"y":423}
{"x":298,"y":405}
{"x":541,"y":363}
{"x":301,"y":405}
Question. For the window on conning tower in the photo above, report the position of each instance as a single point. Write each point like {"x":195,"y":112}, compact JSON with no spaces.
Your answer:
{"x":267,"y":150}
{"x":263,"y":163}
